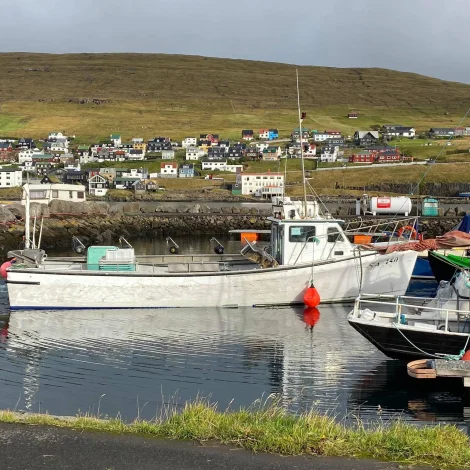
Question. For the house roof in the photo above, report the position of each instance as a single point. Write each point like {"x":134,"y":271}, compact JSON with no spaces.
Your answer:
{"x":166,"y":164}
{"x":273,"y":130}
{"x":9,"y":169}
{"x":187,"y":166}
{"x":115,"y":136}
{"x":362,"y":134}
{"x":83,"y":147}
{"x":442,"y":129}
{"x":247,"y":131}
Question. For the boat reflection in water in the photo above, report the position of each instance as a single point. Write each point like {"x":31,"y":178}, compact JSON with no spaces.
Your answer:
{"x":63,"y":362}
{"x":133,"y":361}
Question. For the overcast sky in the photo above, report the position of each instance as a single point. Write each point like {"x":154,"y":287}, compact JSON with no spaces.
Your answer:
{"x":424,"y":36}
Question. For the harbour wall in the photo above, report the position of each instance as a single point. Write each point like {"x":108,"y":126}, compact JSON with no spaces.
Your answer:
{"x":99,"y":223}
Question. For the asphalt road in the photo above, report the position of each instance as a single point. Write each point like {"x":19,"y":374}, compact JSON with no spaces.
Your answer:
{"x":24,"y":447}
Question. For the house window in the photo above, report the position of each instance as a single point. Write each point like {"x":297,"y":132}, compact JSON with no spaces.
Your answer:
{"x":55,"y":193}
{"x":37,"y":194}
{"x":71,"y":194}
{"x":301,"y":234}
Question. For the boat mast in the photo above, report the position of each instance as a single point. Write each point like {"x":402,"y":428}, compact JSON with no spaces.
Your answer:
{"x":301,"y":145}
{"x":26,"y":222}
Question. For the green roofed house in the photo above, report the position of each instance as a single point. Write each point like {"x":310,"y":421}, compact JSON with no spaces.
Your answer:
{"x":115,"y":139}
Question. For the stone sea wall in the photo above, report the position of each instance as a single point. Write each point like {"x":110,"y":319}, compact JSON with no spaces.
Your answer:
{"x":102,"y":223}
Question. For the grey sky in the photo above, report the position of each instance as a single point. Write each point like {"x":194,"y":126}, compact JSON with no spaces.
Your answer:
{"x":423,"y":36}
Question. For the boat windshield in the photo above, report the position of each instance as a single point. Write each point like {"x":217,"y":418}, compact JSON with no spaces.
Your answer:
{"x":276,"y":242}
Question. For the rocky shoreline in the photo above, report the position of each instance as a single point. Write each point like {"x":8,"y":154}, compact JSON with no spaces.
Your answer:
{"x":99,"y":222}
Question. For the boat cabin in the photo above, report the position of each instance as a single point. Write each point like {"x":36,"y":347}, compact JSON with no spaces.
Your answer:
{"x":299,"y":241}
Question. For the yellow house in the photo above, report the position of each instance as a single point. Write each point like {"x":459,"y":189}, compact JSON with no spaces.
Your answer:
{"x":140,"y":146}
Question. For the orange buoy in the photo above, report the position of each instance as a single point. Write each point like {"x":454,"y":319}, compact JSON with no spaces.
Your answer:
{"x":311,"y":316}
{"x":466,"y":356}
{"x":3,"y":269}
{"x":311,"y":296}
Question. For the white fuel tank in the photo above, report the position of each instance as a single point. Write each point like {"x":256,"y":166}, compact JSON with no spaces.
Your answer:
{"x":390,"y":205}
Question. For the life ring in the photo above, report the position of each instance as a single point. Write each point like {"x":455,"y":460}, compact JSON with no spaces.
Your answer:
{"x":407,"y":228}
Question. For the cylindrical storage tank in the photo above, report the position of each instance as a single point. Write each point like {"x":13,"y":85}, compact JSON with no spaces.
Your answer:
{"x":390,"y":205}
{"x":430,"y":207}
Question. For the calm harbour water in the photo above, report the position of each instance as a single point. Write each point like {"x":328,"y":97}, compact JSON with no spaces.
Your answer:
{"x":131,"y":362}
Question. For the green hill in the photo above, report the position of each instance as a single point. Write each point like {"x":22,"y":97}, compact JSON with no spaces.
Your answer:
{"x":92,"y":95}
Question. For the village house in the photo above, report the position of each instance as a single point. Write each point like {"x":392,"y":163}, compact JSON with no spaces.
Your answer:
{"x":214,"y":164}
{"x":398,"y":131}
{"x":189,"y":142}
{"x":27,"y":155}
{"x":44,"y":193}
{"x":140,"y":188}
{"x":438,"y":132}
{"x":320,"y":136}
{"x":247,"y":134}
{"x":10,"y":177}
{"x":329,"y":153}
{"x":193,"y":153}
{"x":310,"y":151}
{"x":137,"y":140}
{"x":295,"y":136}
{"x":125,"y":182}
{"x":252,"y":153}
{"x":139,"y":146}
{"x":152,"y":185}
{"x":169,"y":170}
{"x":6,"y":151}
{"x":205,"y":145}
{"x":72,"y":176}
{"x":25,"y":143}
{"x":270,"y":154}
{"x":234,"y":153}
{"x":158,"y":144}
{"x":252,"y":183}
{"x":363,"y":138}
{"x":212,"y":138}
{"x":261,"y":146}
{"x":115,"y":139}
{"x":140,"y":173}
{"x":168,"y":154}
{"x":389,"y":156}
{"x":460,"y":131}
{"x":215,"y":152}
{"x":233,"y":168}
{"x":43,"y":168}
{"x":353,"y":115}
{"x":136,"y":154}
{"x":263,"y":134}
{"x":56,"y":145}
{"x":224,"y":144}
{"x":186,"y":170}
{"x":56,"y":135}
{"x":362,"y":157}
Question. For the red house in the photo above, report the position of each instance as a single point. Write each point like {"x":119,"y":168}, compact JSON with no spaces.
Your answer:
{"x":364,"y":157}
{"x":390,"y":156}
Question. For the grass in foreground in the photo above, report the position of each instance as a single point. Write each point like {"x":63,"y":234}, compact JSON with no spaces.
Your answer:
{"x":272,"y":429}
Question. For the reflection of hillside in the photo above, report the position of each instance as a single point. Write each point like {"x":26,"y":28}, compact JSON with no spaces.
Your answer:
{"x":389,"y":389}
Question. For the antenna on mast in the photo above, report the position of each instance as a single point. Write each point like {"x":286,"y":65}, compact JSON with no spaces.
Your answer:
{"x":302,"y":116}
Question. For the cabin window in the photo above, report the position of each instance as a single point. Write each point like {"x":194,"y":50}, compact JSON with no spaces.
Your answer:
{"x":301,"y":234}
{"x":334,"y":235}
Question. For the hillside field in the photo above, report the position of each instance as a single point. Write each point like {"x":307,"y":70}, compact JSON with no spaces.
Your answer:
{"x":145,"y":95}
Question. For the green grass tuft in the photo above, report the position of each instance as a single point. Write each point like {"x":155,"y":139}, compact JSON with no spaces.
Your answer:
{"x":268,"y":427}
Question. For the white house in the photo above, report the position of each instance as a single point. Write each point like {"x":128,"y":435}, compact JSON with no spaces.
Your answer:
{"x":264,"y":134}
{"x":169,"y":170}
{"x":189,"y":142}
{"x":141,"y":173}
{"x":262,"y":145}
{"x":28,"y":155}
{"x":72,"y":166}
{"x":115,"y":139}
{"x":10,"y":177}
{"x":194,"y":153}
{"x":234,"y":168}
{"x":97,"y":185}
{"x":399,"y":131}
{"x":212,"y":165}
{"x":252,"y":183}
{"x":44,"y":193}
{"x":168,"y":154}
{"x":329,"y":153}
{"x":59,"y":145}
{"x":321,"y":136}
{"x":137,"y":140}
{"x":56,"y":135}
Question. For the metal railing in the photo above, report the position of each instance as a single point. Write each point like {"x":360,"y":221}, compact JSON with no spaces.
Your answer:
{"x":399,"y":306}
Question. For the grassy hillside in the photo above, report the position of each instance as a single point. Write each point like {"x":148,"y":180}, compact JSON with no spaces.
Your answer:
{"x":92,"y":95}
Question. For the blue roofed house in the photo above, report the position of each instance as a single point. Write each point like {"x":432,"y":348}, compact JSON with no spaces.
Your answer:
{"x":273,"y":134}
{"x":186,"y":170}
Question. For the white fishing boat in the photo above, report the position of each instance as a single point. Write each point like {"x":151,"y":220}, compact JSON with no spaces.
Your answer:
{"x":304,"y":249}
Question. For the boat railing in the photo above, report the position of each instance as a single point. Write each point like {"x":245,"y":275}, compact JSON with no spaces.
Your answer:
{"x":399,"y":307}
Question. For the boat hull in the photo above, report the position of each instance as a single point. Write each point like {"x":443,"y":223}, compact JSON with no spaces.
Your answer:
{"x":336,"y":281}
{"x":393,"y":344}
{"x":422,"y":269}
{"x":442,"y":270}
